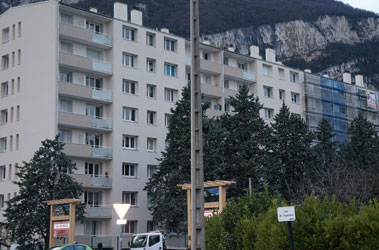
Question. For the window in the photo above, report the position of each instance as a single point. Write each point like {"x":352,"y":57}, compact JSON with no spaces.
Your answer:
{"x":65,"y":76}
{"x":267,"y":70}
{"x":206,"y":56}
{"x":150,"y":90}
{"x":95,"y":140}
{"x":150,"y":65}
{"x":12,"y":87}
{"x":13,"y":58}
{"x":170,"y":95}
{"x":4,"y":89}
{"x":12,"y":111}
{"x":170,"y":69}
{"x":227,"y":107}
{"x":5,"y":35}
{"x":226,"y":84}
{"x":151,"y":117}
{"x":170,"y":44}
{"x":129,"y":142}
{"x":294,"y":77}
{"x":226,"y":61}
{"x":11,"y":143}
{"x":152,"y":144}
{"x":167,"y":120}
{"x":18,"y":84}
{"x":151,"y":170}
{"x":65,"y":106}
{"x":64,"y":135}
{"x":128,"y":33}
{"x":18,"y":113}
{"x":66,"y":47}
{"x":148,"y":205}
{"x":66,"y":18}
{"x":281,"y":73}
{"x":94,"y":110}
{"x":154,"y":239}
{"x":128,"y":60}
{"x":206,"y":79}
{"x":93,"y":82}
{"x":269,"y":113}
{"x":93,"y":199}
{"x":5,"y":62}
{"x":3,"y":144}
{"x":282,"y":94}
{"x":2,"y":173}
{"x":150,"y":226}
{"x":130,"y":198}
{"x":295,"y":98}
{"x":217,"y":107}
{"x":13,"y":31}
{"x":267,"y":92}
{"x":1,"y":201}
{"x":242,"y":66}
{"x":92,"y":227}
{"x":98,"y":28}
{"x":129,"y":114}
{"x":93,"y":169}
{"x":129,"y":170}
{"x":130,"y":227}
{"x":94,"y":54}
{"x":129,"y":87}
{"x":4,"y":116}
{"x":9,"y":172}
{"x":150,"y":39}
{"x":19,"y":29}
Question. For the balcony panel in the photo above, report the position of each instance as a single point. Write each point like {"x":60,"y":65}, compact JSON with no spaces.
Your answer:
{"x":101,"y":123}
{"x":210,"y":90}
{"x":98,"y":212}
{"x":210,"y":67}
{"x":232,"y":72}
{"x":83,"y":35}
{"x":249,"y":76}
{"x":95,"y":182}
{"x":74,"y":120}
{"x":102,"y":95}
{"x":75,"y":90}
{"x":84,"y":64}
{"x":230,"y":92}
{"x":101,"y":152}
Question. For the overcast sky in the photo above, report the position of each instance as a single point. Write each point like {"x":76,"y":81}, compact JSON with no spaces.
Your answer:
{"x":372,"y":5}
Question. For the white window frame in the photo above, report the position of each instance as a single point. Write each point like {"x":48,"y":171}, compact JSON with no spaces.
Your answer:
{"x":129,"y":87}
{"x":6,"y":35}
{"x":269,"y":113}
{"x":151,"y":117}
{"x":268,"y":92}
{"x":167,"y":120}
{"x":66,"y":47}
{"x":129,"y":170}
{"x":151,"y":91}
{"x":129,"y":142}
{"x":151,"y":144}
{"x":150,"y":39}
{"x":170,"y":44}
{"x":150,"y":65}
{"x":129,"y":33}
{"x":5,"y":62}
{"x":127,"y":198}
{"x":3,"y":145}
{"x":170,"y":69}
{"x":282,"y":94}
{"x":128,"y":60}
{"x":294,"y":77}
{"x":267,"y":70}
{"x":151,"y":170}
{"x":295,"y":98}
{"x":129,"y":114}
{"x":65,"y":18}
{"x":4,"y":89}
{"x":129,"y":225}
{"x":281,"y":74}
{"x":170,"y":95}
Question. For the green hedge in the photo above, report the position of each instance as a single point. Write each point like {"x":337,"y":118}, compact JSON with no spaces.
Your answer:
{"x":251,"y":223}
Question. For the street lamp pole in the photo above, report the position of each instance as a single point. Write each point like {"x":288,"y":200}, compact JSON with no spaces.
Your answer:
{"x":197,"y":169}
{"x":121,"y":210}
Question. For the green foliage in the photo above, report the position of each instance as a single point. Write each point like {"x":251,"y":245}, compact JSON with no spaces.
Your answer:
{"x":44,"y":178}
{"x":320,"y":224}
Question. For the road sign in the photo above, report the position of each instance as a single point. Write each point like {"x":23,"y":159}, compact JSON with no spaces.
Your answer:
{"x":286,"y":214}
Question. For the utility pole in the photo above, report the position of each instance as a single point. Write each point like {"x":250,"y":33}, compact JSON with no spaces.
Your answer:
{"x":197,"y":169}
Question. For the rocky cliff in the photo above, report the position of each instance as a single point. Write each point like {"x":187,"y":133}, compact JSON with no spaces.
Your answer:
{"x":308,"y":43}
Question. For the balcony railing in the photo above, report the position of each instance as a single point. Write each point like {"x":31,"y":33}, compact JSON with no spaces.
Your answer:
{"x":98,"y":181}
{"x":84,"y":63}
{"x":77,"y":32}
{"x":87,"y":151}
{"x":101,"y":152}
{"x":82,"y":91}
{"x":84,"y":121}
{"x":249,"y":76}
{"x":98,"y":211}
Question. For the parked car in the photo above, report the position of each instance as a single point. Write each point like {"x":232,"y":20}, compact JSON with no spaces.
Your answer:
{"x":72,"y":247}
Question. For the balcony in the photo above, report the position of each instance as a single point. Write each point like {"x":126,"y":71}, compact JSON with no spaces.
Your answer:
{"x":230,"y":92}
{"x":87,"y":151}
{"x":72,"y":120}
{"x":211,"y":90}
{"x":210,"y":67}
{"x":85,"y":64}
{"x":213,"y":112}
{"x":85,"y":36}
{"x":98,"y":212}
{"x":249,"y":76}
{"x":83,"y":92}
{"x":93,"y":181}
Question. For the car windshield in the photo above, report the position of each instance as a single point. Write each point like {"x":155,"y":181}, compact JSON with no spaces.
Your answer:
{"x":138,"y":241}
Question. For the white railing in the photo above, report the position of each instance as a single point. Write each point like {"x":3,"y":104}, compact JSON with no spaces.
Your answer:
{"x":97,"y":37}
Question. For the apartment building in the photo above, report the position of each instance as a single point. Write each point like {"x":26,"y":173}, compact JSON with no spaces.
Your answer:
{"x":106,"y":86}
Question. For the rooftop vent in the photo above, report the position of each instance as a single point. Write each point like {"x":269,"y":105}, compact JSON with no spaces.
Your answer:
{"x":120,"y":11}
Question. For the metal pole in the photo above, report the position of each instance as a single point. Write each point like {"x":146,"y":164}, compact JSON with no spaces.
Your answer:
{"x":121,"y":237}
{"x":197,"y":170}
{"x":290,"y":234}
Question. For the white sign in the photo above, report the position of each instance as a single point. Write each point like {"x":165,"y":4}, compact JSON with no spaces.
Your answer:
{"x":121,"y":222}
{"x":286,"y":214}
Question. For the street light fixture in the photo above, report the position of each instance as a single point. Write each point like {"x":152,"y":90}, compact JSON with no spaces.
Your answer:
{"x":121,"y":210}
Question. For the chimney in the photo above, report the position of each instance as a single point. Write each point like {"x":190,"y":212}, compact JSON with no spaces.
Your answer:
{"x":346,"y":77}
{"x":359,"y":80}
{"x":120,"y":11}
{"x":165,"y":30}
{"x":206,"y":42}
{"x":270,"y":55}
{"x":231,"y":48}
{"x":307,"y":71}
{"x":254,"y":51}
{"x":136,"y":17}
{"x":93,"y":9}
{"x":326,"y":75}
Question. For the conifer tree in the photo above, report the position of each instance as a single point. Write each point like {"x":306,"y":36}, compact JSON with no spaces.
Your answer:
{"x":247,"y":148}
{"x":45,"y":177}
{"x":293,"y":149}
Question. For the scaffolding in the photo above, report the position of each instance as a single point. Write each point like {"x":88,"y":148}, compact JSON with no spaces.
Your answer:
{"x":337,"y":102}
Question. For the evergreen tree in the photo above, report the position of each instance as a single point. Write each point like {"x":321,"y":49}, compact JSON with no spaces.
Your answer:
{"x":44,"y":178}
{"x":168,"y":201}
{"x":293,"y":149}
{"x":247,"y":147}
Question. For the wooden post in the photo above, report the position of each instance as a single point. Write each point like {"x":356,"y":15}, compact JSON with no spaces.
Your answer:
{"x":71,"y":238}
{"x":51,"y":236}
